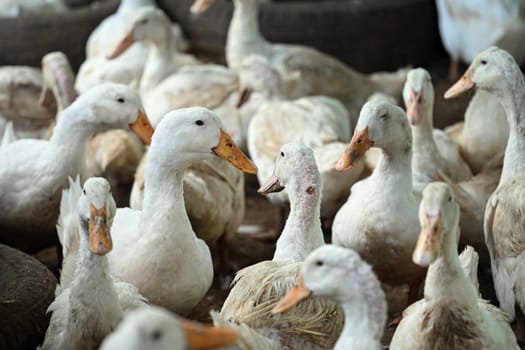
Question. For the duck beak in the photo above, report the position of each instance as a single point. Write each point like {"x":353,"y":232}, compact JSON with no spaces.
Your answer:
{"x":124,"y":43}
{"x":293,"y":297}
{"x":355,"y":150}
{"x":199,"y":6}
{"x":427,"y":246}
{"x":142,"y":127}
{"x":227,"y":150}
{"x":200,"y":337}
{"x":244,"y":96}
{"x":99,"y":237}
{"x":414,"y":108}
{"x":272,"y":185}
{"x":465,"y":83}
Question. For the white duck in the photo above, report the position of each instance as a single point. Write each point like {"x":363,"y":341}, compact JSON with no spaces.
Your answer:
{"x":427,"y":158}
{"x":156,"y":248}
{"x":305,"y":70}
{"x":89,"y":307}
{"x":319,"y":122}
{"x":151,"y":26}
{"x":495,"y":71}
{"x":339,"y":274}
{"x":128,"y":68}
{"x":470,"y":26}
{"x":451,"y":315}
{"x":33,"y":172}
{"x":155,"y":328}
{"x":259,"y":287}
{"x":369,"y":220}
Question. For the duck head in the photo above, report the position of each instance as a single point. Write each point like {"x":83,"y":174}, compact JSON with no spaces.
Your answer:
{"x":418,"y":94}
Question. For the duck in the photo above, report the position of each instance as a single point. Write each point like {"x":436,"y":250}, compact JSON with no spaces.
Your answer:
{"x":155,"y":328}
{"x":257,"y":288}
{"x":495,"y":71}
{"x":305,"y":70}
{"x":128,"y":68}
{"x":339,"y":274}
{"x":80,"y":319}
{"x":180,"y":271}
{"x":364,"y":223}
{"x":483,"y":133}
{"x":320,"y":122}
{"x":469,"y":26}
{"x":29,"y":203}
{"x":151,"y":26}
{"x":427,"y":159}
{"x":24,"y":103}
{"x":451,"y":314}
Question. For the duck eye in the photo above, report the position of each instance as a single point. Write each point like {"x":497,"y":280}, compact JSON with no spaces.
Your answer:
{"x":84,"y":192}
{"x":199,"y":122}
{"x":156,"y":335}
{"x":282,"y":154}
{"x":120,"y":100}
{"x":144,"y":21}
{"x":319,"y":263}
{"x":384,"y":116}
{"x":450,"y":198}
{"x":483,"y":62}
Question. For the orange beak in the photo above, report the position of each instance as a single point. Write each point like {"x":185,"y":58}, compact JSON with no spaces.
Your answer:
{"x":272,"y":185}
{"x":122,"y":46}
{"x":142,"y":127}
{"x":414,"y":108}
{"x":293,"y":297}
{"x":227,"y":150}
{"x":355,"y":150}
{"x":200,"y":337}
{"x":465,"y":83}
{"x":99,"y":237}
{"x":428,"y":243}
{"x":199,"y":6}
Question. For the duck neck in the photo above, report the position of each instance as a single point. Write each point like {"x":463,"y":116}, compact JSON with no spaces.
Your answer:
{"x":422,"y":135}
{"x":63,"y":86}
{"x":163,"y":193}
{"x":394,"y":169}
{"x":445,"y":276}
{"x":357,"y":332}
{"x":302,"y":232}
{"x":244,"y":37}
{"x":514,"y":159}
{"x":160,"y":63}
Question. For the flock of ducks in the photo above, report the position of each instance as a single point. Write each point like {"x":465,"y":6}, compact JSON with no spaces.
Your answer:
{"x":396,"y":218}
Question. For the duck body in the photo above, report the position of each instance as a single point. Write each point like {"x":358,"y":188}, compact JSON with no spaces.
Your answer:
{"x":313,"y":325}
{"x":495,"y":71}
{"x":73,"y":325}
{"x":31,"y":203}
{"x":451,"y":315}
{"x":369,"y":220}
{"x":162,"y":226}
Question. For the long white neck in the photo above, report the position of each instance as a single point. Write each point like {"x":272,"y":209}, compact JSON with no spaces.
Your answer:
{"x":423,"y":139}
{"x":244,"y":37}
{"x":302,"y":232}
{"x":357,"y":332}
{"x":394,"y":169}
{"x":163,"y":194}
{"x":514,"y":105}
{"x":160,"y":63}
{"x":445,"y":277}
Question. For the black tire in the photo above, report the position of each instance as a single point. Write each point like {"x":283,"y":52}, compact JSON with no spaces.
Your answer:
{"x":25,"y":39}
{"x":26,"y":289}
{"x":368,"y":35}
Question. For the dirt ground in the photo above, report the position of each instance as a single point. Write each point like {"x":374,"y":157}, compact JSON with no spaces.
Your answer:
{"x":247,"y":248}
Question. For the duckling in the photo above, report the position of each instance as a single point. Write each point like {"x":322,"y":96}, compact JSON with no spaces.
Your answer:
{"x":341,"y":275}
{"x":88,"y":307}
{"x":30,"y":204}
{"x":451,"y":315}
